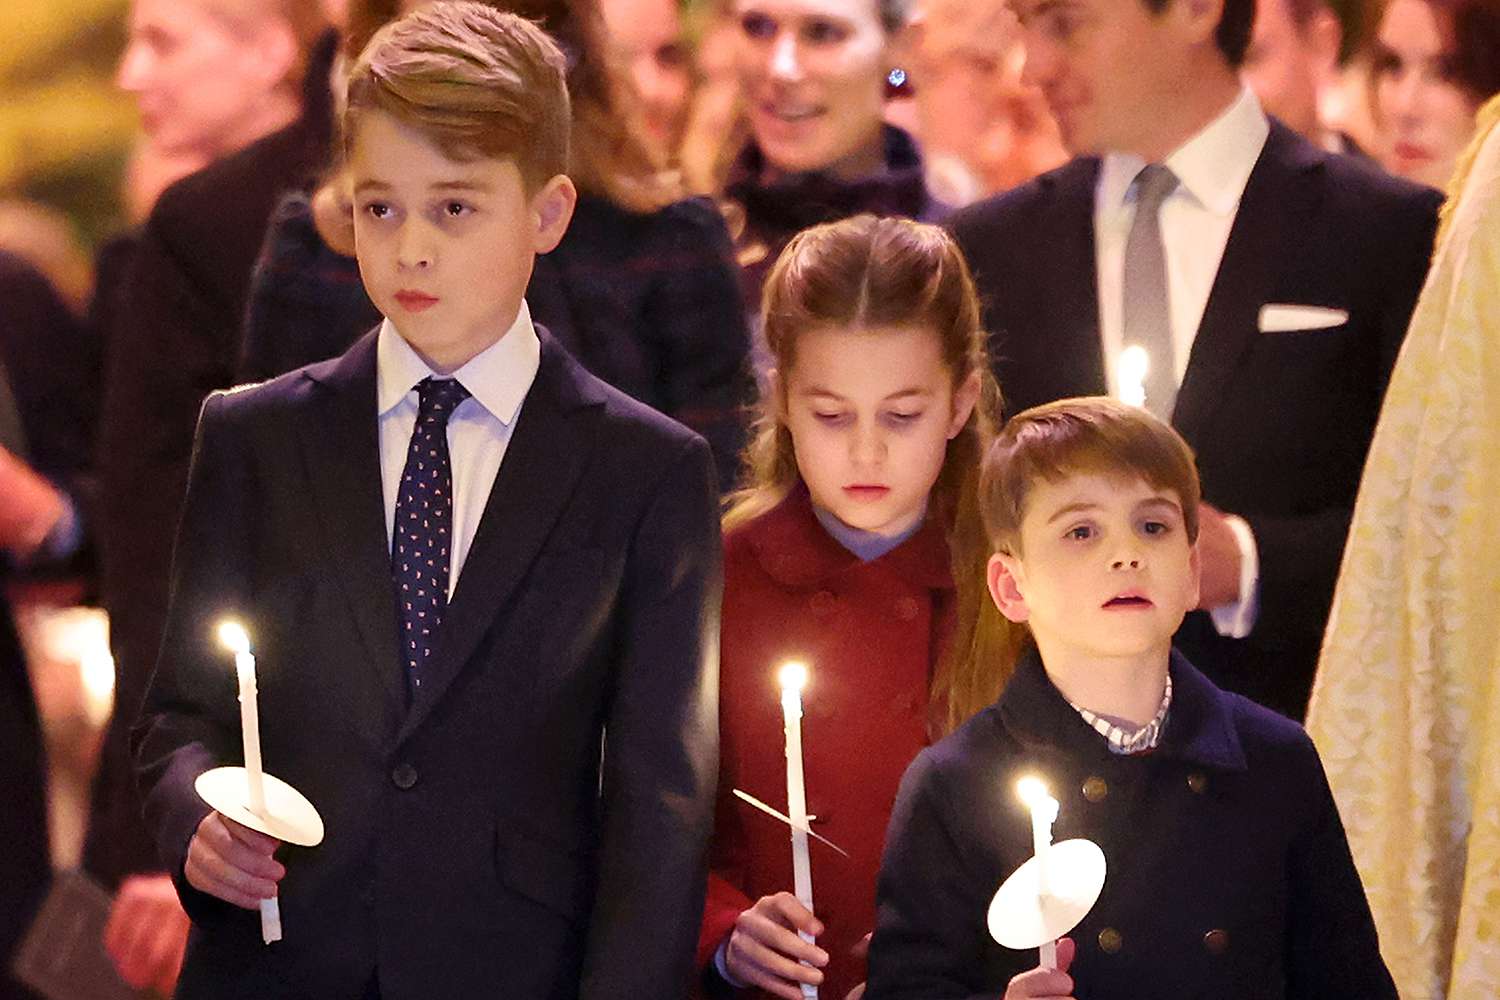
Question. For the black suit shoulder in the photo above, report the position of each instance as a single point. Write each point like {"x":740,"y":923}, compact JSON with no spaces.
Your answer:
{"x":1008,"y":211}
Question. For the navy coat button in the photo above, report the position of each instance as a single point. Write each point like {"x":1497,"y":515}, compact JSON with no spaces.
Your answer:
{"x":1198,"y":782}
{"x":1216,"y":941}
{"x":1110,"y":941}
{"x":1095,"y":788}
{"x":404,"y":776}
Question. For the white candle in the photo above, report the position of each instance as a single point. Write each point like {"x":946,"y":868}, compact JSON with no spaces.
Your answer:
{"x":233,"y":636}
{"x":1133,"y":365}
{"x":793,"y":677}
{"x":1043,"y":814}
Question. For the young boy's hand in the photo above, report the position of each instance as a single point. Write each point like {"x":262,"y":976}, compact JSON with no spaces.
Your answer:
{"x":1046,"y":984}
{"x":765,"y":951}
{"x":233,"y":862}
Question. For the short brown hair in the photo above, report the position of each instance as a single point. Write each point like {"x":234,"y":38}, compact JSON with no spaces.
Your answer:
{"x":477,"y":82}
{"x":1095,"y":434}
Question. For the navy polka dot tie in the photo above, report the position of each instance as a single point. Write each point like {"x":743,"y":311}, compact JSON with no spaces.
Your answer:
{"x":421,"y":543}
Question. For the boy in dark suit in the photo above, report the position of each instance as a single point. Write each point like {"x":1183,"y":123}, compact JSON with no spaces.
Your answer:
{"x":1229,"y":874}
{"x":464,"y":562}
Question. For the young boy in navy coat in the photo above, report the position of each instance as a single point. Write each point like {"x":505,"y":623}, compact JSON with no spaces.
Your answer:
{"x":482,"y":587}
{"x":1228,"y":872}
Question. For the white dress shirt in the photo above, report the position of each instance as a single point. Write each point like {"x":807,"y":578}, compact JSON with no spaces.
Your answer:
{"x":498,"y":379}
{"x":1212,"y":169}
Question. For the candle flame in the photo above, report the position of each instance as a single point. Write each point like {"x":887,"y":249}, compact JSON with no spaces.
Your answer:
{"x":233,"y":636}
{"x":1033,"y":791}
{"x":792,"y":676}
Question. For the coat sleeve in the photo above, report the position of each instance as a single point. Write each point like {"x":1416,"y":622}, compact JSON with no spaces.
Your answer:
{"x":661,"y":755}
{"x":1332,"y":948}
{"x":190,"y":720}
{"x":929,"y":917}
{"x":696,"y":316}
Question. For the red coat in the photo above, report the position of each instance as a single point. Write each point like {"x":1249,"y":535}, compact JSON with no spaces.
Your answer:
{"x":870,"y":634}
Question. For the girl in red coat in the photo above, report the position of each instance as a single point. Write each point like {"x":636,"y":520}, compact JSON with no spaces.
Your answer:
{"x":840,"y":552}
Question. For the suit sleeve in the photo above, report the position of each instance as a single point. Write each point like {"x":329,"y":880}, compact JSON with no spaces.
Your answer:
{"x":190,"y":720}
{"x":929,"y":912}
{"x":1332,"y":948}
{"x":661,"y":755}
{"x":696,"y":315}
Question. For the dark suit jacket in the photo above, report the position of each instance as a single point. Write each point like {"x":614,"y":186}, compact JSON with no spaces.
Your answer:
{"x":1280,"y":422}
{"x":487,"y":842}
{"x":173,"y":338}
{"x":1228,"y":827}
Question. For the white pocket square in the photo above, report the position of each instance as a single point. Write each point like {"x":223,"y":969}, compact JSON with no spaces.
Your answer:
{"x":1282,"y":318}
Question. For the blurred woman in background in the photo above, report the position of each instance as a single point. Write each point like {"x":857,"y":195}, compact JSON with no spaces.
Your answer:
{"x":1432,"y":64}
{"x":813,"y":76}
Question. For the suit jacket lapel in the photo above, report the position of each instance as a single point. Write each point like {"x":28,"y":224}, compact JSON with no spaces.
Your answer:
{"x":1277,"y":199}
{"x":343,"y":449}
{"x":543,"y":463}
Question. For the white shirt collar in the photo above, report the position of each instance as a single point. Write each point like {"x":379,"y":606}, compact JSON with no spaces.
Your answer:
{"x":498,"y":377}
{"x":1213,"y":166}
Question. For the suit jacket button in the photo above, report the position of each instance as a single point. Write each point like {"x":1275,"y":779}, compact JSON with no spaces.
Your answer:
{"x":404,"y":776}
{"x":1198,"y":782}
{"x":1216,"y":941}
{"x":367,"y":894}
{"x":1110,"y":941}
{"x":1095,"y":788}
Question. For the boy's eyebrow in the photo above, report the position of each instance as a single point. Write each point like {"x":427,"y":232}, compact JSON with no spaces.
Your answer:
{"x":1072,"y":508}
{"x":460,"y":184}
{"x":1162,"y":501}
{"x":463,"y":184}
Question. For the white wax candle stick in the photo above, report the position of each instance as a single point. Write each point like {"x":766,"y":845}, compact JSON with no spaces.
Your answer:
{"x":244,"y":663}
{"x":1043,"y":814}
{"x":793,"y":676}
{"x":270,"y":920}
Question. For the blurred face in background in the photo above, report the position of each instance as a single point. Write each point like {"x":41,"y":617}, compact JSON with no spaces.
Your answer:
{"x":204,"y":85}
{"x":1288,"y":64}
{"x":813,"y":77}
{"x":973,"y":111}
{"x":646,"y":41}
{"x":1423,"y":116}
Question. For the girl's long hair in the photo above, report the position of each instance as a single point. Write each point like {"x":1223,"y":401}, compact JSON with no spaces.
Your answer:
{"x":868,"y":273}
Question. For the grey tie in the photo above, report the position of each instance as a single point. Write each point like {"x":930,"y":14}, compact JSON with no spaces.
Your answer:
{"x":1147,"y":316}
{"x":12,"y":434}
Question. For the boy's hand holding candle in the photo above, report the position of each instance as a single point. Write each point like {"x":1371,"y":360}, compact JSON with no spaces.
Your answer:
{"x":233,"y":862}
{"x":1054,"y":984}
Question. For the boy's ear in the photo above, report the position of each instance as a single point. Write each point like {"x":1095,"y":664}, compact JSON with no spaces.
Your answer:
{"x":552,"y":209}
{"x":1004,"y":575}
{"x":964,"y":400}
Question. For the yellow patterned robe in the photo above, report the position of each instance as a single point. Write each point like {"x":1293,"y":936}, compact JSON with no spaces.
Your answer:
{"x":1406,"y":708}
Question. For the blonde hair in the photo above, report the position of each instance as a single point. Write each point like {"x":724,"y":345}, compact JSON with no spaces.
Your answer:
{"x":865,"y":273}
{"x":1091,"y":434}
{"x":477,"y":82}
{"x":303,"y":18}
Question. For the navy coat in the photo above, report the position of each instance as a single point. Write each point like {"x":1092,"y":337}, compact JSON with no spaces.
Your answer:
{"x":1229,"y":873}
